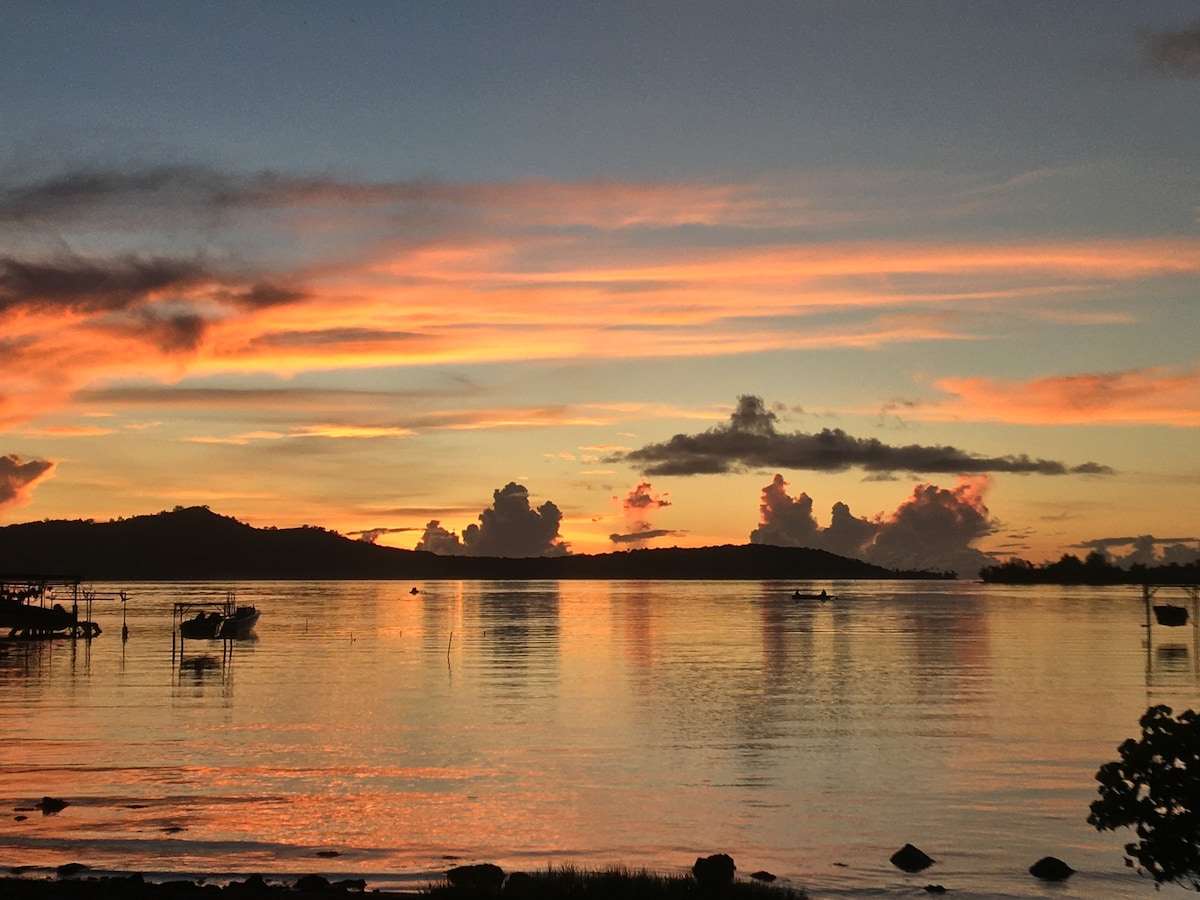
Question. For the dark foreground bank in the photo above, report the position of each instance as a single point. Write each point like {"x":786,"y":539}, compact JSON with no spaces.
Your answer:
{"x":464,"y":883}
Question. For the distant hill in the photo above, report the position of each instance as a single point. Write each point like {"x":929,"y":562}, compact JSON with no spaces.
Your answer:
{"x":196,"y":544}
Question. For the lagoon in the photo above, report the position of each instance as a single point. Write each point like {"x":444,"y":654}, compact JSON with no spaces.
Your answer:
{"x":592,"y":723}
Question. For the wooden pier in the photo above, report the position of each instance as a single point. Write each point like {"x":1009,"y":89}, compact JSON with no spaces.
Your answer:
{"x":34,"y":607}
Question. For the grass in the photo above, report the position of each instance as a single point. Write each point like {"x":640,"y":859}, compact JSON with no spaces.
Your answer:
{"x":570,"y":883}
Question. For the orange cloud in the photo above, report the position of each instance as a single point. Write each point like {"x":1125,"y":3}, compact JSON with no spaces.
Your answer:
{"x":19,"y":478}
{"x":354,"y":276}
{"x":1157,"y":396}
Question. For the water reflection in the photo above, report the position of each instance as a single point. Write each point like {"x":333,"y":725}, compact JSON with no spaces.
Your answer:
{"x":34,"y":659}
{"x":595,"y":722}
{"x":520,"y":621}
{"x":1172,"y":658}
{"x":519,"y":629}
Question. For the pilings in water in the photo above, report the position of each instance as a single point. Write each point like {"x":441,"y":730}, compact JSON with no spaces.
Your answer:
{"x":1172,"y":616}
{"x":32,"y":607}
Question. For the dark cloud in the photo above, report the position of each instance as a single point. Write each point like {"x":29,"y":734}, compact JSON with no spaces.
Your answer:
{"x":509,"y":528}
{"x":118,"y":283}
{"x":750,"y":441}
{"x":1173,"y":53}
{"x":18,"y":479}
{"x":263,"y":296}
{"x":195,"y":190}
{"x":68,"y":194}
{"x":322,"y":337}
{"x":639,"y":537}
{"x":86,"y":286}
{"x":169,"y":332}
{"x":934,"y":529}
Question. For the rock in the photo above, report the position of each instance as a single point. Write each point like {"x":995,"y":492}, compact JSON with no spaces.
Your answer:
{"x":519,"y":884}
{"x":762,"y":876}
{"x":66,"y":870}
{"x":1051,"y":868}
{"x":477,"y":877}
{"x":714,"y":871}
{"x":910,"y":859}
{"x":312,"y":883}
{"x":351,"y":884}
{"x":253,"y":885}
{"x":51,"y":805}
{"x":934,"y":889}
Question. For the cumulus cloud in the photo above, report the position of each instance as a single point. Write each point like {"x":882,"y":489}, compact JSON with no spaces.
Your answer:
{"x":1146,"y":550}
{"x":643,"y":498}
{"x":750,"y":441}
{"x":18,"y":479}
{"x":933,"y":529}
{"x":510,"y":527}
{"x":638,"y":507}
{"x":439,"y":540}
{"x":1173,"y":53}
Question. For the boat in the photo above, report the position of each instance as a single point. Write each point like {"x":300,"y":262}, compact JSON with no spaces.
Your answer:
{"x":1171,"y":616}
{"x":240,"y":624}
{"x":824,"y":595}
{"x":28,"y":610}
{"x":202,"y":626}
{"x":216,"y":621}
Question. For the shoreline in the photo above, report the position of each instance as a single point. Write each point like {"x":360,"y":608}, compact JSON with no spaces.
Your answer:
{"x":710,"y":877}
{"x":132,"y":887}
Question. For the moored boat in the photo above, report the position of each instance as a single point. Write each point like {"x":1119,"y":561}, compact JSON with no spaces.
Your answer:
{"x":240,"y":623}
{"x":28,"y":610}
{"x":202,"y":626}
{"x":216,"y":621}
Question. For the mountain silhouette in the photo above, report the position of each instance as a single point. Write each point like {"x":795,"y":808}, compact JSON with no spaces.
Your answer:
{"x":196,"y":544}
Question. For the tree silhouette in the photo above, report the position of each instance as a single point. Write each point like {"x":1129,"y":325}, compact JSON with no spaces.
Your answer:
{"x":1155,"y":789}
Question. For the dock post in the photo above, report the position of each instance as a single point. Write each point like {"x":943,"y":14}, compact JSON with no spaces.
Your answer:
{"x":1146,"y":594}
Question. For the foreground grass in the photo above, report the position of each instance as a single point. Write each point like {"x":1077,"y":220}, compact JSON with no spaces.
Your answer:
{"x":569,"y":883}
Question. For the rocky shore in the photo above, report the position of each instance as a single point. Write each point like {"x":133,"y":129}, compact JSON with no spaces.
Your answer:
{"x":712,"y":877}
{"x":135,"y":887}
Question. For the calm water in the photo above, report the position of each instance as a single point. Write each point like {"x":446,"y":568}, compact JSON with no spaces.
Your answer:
{"x":593,"y":723}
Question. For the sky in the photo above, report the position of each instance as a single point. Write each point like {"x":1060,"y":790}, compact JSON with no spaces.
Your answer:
{"x":912,"y":282}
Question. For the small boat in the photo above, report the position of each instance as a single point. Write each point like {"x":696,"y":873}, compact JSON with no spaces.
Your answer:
{"x":824,"y":595}
{"x":1171,"y":616}
{"x":240,"y":624}
{"x":223,"y":624}
{"x":28,"y":611}
{"x":202,"y":627}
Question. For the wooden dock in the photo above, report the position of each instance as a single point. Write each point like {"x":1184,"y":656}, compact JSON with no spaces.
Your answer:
{"x":34,"y":607}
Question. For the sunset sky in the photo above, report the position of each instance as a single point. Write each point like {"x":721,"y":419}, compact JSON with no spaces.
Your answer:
{"x":916,"y":282}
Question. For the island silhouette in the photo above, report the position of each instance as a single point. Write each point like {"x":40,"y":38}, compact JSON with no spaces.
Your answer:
{"x":197,"y":544}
